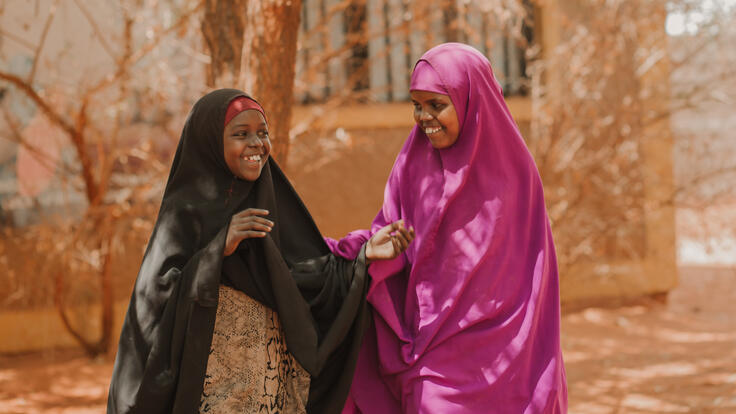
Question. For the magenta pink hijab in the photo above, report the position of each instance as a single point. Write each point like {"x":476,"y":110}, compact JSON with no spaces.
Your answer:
{"x":468,"y":319}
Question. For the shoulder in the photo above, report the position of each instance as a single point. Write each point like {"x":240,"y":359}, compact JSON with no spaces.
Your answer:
{"x":179,"y":222}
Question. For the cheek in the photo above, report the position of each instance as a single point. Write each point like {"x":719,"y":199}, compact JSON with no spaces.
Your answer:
{"x":449,"y":121}
{"x":455,"y":129}
{"x":445,"y":121}
{"x":233,"y":151}
{"x":230,"y":150}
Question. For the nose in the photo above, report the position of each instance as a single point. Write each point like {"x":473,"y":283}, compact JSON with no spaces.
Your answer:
{"x":425,"y":116}
{"x":254,"y":141}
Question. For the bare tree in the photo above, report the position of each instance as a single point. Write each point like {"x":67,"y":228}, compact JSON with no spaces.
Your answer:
{"x":222,"y":27}
{"x":102,"y":162}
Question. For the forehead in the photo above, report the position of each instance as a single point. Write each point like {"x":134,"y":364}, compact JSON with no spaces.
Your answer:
{"x":427,"y":96}
{"x":247,"y":117}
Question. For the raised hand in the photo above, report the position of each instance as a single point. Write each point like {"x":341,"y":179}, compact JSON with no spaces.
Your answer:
{"x":245,"y":225}
{"x":389,"y":242}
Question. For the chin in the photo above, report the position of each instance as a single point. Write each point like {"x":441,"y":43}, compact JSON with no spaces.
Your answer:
{"x":443,"y":142}
{"x":250,"y":175}
{"x":439,"y":144}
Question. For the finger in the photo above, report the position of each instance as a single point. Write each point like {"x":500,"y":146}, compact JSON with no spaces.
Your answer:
{"x":252,"y":226}
{"x":258,"y":211}
{"x":249,"y":234}
{"x":404,"y":233}
{"x":394,"y":227}
{"x":403,"y":243}
{"x":396,"y":245}
{"x":261,"y":220}
{"x":251,"y":223}
{"x":399,"y":226}
{"x":252,"y":219}
{"x":253,"y":211}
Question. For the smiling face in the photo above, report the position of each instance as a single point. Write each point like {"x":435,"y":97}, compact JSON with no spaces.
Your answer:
{"x":246,"y":144}
{"x":435,"y":114}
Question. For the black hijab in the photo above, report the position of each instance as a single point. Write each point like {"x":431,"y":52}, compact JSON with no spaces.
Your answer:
{"x":167,"y":333}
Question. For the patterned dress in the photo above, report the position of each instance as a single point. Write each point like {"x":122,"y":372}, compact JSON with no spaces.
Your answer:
{"x":249,"y":369}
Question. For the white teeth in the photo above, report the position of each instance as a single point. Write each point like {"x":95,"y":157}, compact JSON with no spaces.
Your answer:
{"x":432,"y":130}
{"x":253,"y":158}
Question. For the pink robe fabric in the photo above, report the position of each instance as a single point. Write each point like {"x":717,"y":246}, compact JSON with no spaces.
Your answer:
{"x":467,"y":320}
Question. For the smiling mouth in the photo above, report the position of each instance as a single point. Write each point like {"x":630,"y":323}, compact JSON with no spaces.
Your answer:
{"x":431,"y":130}
{"x":253,"y":158}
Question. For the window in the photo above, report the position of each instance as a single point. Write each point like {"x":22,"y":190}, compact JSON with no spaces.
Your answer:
{"x":364,"y":50}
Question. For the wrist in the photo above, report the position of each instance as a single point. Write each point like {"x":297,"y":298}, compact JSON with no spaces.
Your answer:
{"x":227,"y":251}
{"x":368,"y":252}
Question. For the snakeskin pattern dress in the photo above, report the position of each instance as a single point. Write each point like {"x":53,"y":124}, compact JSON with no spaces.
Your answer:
{"x":249,"y":369}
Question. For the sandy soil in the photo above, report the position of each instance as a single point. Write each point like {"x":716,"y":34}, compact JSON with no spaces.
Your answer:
{"x":674,"y":358}
{"x":649,"y":358}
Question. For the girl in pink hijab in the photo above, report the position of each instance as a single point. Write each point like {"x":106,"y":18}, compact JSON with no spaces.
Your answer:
{"x":467,"y":320}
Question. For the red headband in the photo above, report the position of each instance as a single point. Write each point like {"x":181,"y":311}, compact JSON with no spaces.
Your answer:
{"x":239,"y":105}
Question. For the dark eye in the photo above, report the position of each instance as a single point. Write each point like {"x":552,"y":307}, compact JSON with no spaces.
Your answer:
{"x":263,"y":133}
{"x":437,"y":105}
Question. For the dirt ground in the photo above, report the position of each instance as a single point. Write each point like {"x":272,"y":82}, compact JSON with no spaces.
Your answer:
{"x":649,"y":358}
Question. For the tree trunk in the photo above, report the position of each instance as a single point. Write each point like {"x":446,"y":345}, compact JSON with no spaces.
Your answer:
{"x":222,"y":29}
{"x":268,"y":64}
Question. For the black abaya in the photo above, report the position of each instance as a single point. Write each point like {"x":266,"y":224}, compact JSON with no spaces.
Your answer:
{"x":166,"y":336}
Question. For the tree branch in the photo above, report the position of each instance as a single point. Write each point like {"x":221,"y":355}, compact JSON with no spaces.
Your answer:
{"x":59,"y":301}
{"x":17,"y":39}
{"x":143,"y":51}
{"x":28,"y":90}
{"x":41,"y":42}
{"x":75,"y":132}
{"x":95,"y":29}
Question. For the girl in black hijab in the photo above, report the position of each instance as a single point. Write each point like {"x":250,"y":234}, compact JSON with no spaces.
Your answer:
{"x":235,"y":256}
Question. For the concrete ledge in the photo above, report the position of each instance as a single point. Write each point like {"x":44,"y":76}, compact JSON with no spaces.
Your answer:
{"x":384,"y":115}
{"x":604,"y":284}
{"x":39,"y":329}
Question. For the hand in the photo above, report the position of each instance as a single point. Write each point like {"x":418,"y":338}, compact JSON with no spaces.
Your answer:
{"x":245,"y":225}
{"x":389,"y":242}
